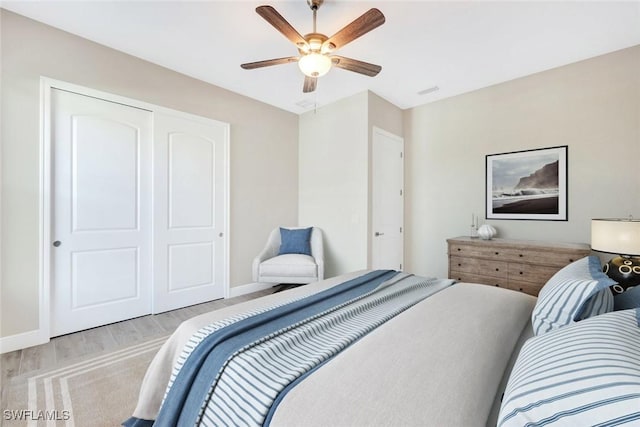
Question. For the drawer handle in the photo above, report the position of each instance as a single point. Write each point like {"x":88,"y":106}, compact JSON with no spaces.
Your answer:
{"x":521,"y":272}
{"x":570,"y":260}
{"x":520,"y":255}
{"x":497,"y":284}
{"x":497,"y":253}
{"x":459,"y":249}
{"x":497,"y":269}
{"x":459,"y":265}
{"x":520,"y":289}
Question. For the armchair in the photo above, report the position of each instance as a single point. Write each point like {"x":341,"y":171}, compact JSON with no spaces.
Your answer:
{"x":272,"y":266}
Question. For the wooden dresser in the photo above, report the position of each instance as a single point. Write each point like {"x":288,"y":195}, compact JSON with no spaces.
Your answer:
{"x":523,"y":265}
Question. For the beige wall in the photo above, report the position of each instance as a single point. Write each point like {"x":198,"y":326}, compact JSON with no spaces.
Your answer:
{"x":264,"y":150}
{"x":592,"y":106}
{"x":334,"y":161}
{"x":333,"y":180}
{"x":385,"y":115}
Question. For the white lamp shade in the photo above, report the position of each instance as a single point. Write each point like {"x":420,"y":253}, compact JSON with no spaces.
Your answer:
{"x":616,"y":236}
{"x":315,"y":64}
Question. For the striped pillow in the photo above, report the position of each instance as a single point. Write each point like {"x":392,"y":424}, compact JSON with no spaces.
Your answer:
{"x":578,"y":291}
{"x":584,"y":374}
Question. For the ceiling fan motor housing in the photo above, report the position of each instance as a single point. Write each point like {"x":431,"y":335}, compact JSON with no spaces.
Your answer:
{"x":315,"y":43}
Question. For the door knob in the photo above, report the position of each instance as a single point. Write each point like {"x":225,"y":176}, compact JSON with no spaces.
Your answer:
{"x":379,"y":234}
{"x":57,"y":243}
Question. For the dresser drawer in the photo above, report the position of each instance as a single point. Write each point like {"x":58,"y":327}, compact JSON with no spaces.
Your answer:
{"x":484,"y":267}
{"x":475,"y":251}
{"x":552,"y":259}
{"x":461,"y":276}
{"x":538,"y":274}
{"x":540,"y":256}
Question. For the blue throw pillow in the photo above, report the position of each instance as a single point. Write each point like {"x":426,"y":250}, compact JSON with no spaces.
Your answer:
{"x":628,"y":299}
{"x":578,"y":291}
{"x":296,"y":241}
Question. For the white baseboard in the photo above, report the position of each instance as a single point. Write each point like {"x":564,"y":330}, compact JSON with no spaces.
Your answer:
{"x":236,"y":291}
{"x":22,"y":340}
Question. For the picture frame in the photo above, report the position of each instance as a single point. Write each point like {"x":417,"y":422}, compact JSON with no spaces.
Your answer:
{"x":528,"y":184}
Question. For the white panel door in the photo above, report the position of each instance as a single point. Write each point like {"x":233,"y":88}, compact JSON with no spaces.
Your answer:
{"x":189,"y":210}
{"x":101,"y":259}
{"x":387,"y":200}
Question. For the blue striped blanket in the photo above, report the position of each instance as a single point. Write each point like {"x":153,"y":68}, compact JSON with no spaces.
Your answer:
{"x":236,"y":371}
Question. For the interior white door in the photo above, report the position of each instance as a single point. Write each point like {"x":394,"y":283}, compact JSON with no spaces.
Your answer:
{"x":189,"y":210}
{"x":101,"y":260}
{"x":387,"y":247}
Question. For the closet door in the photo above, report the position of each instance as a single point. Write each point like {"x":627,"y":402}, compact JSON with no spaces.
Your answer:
{"x":101,"y":205}
{"x":190,"y":187}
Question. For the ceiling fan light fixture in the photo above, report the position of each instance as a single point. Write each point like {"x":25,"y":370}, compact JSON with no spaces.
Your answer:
{"x":315,"y":64}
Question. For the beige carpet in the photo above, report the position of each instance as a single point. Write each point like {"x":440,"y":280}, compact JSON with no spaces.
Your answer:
{"x":95,"y":392}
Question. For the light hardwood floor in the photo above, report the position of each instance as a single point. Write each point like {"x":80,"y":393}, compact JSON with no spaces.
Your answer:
{"x":89,"y":343}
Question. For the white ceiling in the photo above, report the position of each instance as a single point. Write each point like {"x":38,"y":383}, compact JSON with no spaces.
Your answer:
{"x":458,"y":46}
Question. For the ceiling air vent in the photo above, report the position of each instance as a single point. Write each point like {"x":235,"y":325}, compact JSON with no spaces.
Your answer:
{"x":429,"y":90}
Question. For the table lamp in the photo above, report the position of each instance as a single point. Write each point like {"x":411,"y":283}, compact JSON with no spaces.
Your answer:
{"x":621,"y":237}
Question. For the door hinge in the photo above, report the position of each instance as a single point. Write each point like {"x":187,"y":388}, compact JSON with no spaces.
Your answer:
{"x":401,"y":192}
{"x":401,"y":229}
{"x":400,"y":266}
{"x":401,"y":155}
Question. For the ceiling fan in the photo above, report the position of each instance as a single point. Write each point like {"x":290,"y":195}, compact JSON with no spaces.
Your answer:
{"x":316,"y":49}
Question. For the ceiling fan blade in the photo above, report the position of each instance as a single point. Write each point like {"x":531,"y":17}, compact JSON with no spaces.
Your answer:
{"x":310,"y":84}
{"x":269,"y":62}
{"x":370,"y":20}
{"x":279,"y":23}
{"x":354,"y":65}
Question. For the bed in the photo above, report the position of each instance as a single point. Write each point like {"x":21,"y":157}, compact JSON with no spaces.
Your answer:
{"x":408,"y":350}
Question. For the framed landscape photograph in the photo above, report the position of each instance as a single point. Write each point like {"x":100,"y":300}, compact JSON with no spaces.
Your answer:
{"x":529,"y":184}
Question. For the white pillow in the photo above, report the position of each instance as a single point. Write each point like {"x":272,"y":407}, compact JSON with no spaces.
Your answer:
{"x":578,"y":291}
